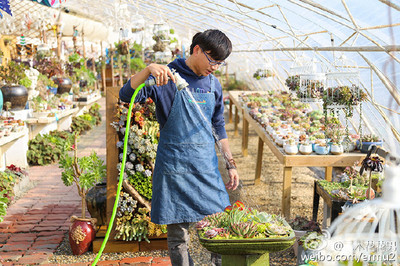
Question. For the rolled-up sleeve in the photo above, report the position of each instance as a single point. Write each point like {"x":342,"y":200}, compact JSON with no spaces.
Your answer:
{"x":126,"y":93}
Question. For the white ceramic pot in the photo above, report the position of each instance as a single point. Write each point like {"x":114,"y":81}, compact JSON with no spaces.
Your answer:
{"x":279,"y":141}
{"x":336,"y":149}
{"x":305,"y":149}
{"x":291,"y":149}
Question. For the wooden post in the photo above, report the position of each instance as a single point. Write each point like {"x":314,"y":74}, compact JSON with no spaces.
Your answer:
{"x":260,"y":151}
{"x":230,"y":111}
{"x":83,"y":47}
{"x":245,"y":135}
{"x":121,"y":82}
{"x":286,"y":191}
{"x":112,"y":96}
{"x":112,"y":67}
{"x":129,"y":60}
{"x":103,"y":68}
{"x":328,"y":173}
{"x":226,"y":76}
{"x":58,"y":42}
{"x":236,"y":121}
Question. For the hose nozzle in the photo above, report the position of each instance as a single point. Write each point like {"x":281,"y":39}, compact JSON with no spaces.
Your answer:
{"x":180,"y":82}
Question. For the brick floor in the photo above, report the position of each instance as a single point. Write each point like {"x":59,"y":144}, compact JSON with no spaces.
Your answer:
{"x":36,"y":223}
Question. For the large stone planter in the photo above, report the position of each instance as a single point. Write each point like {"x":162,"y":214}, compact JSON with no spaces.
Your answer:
{"x":247,"y":251}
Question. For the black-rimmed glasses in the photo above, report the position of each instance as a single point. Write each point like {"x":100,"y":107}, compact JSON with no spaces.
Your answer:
{"x":213,"y":62}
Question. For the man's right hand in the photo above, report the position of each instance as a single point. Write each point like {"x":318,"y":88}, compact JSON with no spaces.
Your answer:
{"x":161,"y":73}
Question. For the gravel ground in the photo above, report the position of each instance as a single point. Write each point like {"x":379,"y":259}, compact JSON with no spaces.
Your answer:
{"x":265,"y":197}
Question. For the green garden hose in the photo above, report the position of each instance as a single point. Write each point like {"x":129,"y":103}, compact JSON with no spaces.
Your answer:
{"x":121,"y":175}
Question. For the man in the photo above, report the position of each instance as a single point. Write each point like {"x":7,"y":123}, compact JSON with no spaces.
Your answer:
{"x":187,"y":184}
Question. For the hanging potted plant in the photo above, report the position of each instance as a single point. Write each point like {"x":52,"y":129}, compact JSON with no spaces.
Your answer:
{"x":263,"y":73}
{"x":16,"y":82}
{"x":344,"y":97}
{"x":84,"y":172}
{"x":293,"y":83}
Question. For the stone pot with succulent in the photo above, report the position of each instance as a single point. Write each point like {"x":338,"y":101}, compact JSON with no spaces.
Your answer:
{"x":242,"y":234}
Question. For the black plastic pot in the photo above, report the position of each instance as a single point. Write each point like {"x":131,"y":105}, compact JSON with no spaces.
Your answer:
{"x":16,"y":94}
{"x":63,"y":84}
{"x":96,"y":200}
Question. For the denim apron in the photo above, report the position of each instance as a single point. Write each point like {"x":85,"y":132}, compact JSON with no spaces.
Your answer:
{"x":187,"y":184}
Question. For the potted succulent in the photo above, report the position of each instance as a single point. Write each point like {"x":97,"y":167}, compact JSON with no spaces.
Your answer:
{"x":84,"y":172}
{"x":16,"y":82}
{"x":321,"y":147}
{"x":293,"y":82}
{"x":308,"y":245}
{"x":305,"y":147}
{"x":290,"y":147}
{"x":301,"y":225}
{"x":367,"y":141}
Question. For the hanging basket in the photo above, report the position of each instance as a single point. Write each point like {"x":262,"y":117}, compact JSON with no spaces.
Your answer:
{"x":311,"y":87}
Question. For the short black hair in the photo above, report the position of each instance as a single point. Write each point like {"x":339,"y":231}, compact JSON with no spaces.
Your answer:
{"x":215,"y":41}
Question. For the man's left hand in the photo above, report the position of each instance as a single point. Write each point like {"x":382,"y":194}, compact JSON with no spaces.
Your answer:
{"x":234,"y":179}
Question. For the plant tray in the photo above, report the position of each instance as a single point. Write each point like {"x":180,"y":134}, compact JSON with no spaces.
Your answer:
{"x":248,"y":245}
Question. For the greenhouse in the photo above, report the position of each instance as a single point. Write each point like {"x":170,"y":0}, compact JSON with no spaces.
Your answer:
{"x":199,"y":132}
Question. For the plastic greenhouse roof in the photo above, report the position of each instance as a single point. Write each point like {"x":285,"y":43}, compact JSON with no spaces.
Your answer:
{"x":276,"y":32}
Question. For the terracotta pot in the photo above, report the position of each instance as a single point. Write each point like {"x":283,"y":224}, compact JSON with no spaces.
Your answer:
{"x":81,"y":234}
{"x":96,"y":200}
{"x":16,"y":94}
{"x":63,"y":84}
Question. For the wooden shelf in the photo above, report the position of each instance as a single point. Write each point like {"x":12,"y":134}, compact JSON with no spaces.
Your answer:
{"x":90,"y":101}
{"x":12,"y":147}
{"x":43,"y":125}
{"x":288,"y":161}
{"x":51,"y":119}
{"x":4,"y":141}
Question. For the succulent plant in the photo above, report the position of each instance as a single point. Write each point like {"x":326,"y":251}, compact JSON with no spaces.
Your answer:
{"x":244,"y":229}
{"x":238,"y":221}
{"x":217,"y":219}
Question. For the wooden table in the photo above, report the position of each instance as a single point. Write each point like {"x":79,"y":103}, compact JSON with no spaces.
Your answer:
{"x":332,"y":208}
{"x":288,"y":161}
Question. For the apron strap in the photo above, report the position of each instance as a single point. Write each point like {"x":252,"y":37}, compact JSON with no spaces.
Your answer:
{"x":212,"y":83}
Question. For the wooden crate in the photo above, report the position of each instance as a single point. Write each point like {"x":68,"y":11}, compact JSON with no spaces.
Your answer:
{"x":112,"y":95}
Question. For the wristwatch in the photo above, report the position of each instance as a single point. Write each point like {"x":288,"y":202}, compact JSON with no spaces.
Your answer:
{"x":231,"y":164}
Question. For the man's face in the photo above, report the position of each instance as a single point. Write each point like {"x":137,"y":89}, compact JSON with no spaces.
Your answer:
{"x":206,"y":64}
